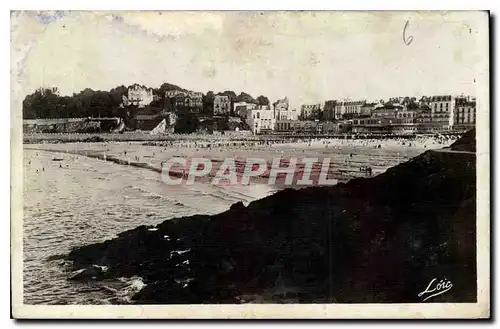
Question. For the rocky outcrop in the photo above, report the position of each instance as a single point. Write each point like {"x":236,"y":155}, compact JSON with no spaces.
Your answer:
{"x":376,"y":240}
{"x":466,"y":143}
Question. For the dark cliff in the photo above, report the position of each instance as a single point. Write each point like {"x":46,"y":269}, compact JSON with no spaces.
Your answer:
{"x":381,"y":239}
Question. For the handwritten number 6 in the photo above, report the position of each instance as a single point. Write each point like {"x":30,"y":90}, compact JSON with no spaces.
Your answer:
{"x":408,"y":40}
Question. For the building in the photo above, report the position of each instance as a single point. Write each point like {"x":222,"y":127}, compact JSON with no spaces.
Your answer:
{"x":241,"y":108}
{"x":442,"y":111}
{"x":328,"y":127}
{"x":423,"y":119}
{"x":222,"y":105}
{"x":388,"y":111}
{"x":399,"y":120}
{"x":308,"y":127}
{"x":366,"y":109}
{"x":261,"y":119}
{"x":329,"y":110}
{"x":348,"y":108}
{"x":310,"y":111}
{"x":353,"y":108}
{"x":174,"y":93}
{"x":284,"y":125}
{"x":282,"y":110}
{"x":195,"y":99}
{"x":139,"y":96}
{"x":389,"y":119}
{"x":191,"y":100}
{"x":465,"y":112}
{"x":424,"y":100}
{"x":339,"y":110}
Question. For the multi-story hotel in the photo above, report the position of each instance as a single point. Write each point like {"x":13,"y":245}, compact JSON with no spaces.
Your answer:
{"x":353,"y":108}
{"x":307,"y":110}
{"x":442,"y":111}
{"x":465,"y":112}
{"x":348,"y":108}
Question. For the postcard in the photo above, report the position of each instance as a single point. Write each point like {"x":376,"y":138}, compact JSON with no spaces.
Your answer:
{"x":250,"y":164}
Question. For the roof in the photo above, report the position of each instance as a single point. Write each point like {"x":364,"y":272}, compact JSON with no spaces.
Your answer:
{"x":195,"y":94}
{"x":137,"y":86}
{"x":234,"y":119}
{"x":221,"y":97}
{"x":146,"y":116}
{"x":353,"y":102}
{"x":465,"y":102}
{"x":444,"y":98}
{"x":388,"y":107}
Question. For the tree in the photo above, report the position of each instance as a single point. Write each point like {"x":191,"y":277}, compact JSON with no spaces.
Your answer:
{"x":43,"y":103}
{"x":229,"y":93}
{"x":244,"y":97}
{"x":412,"y":105}
{"x":317,"y":114}
{"x":116,"y":95}
{"x":47,"y":103}
{"x":167,"y":86}
{"x":208,"y":103}
{"x":262,"y":100}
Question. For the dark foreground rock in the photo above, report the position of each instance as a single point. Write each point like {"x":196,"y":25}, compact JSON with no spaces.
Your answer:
{"x":466,"y":143}
{"x":381,"y":239}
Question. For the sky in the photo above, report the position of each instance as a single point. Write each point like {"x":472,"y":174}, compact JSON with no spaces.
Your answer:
{"x":307,"y":56}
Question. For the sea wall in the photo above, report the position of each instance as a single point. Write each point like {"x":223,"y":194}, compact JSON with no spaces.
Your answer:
{"x":62,"y":126}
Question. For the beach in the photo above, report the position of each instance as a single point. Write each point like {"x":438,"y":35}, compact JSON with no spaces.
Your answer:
{"x":72,"y":199}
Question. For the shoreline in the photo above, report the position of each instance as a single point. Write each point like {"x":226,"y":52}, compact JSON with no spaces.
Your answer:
{"x":146,"y":137}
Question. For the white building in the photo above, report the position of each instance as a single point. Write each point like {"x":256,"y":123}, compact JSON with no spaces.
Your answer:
{"x":443,"y":110}
{"x":261,"y":119}
{"x":348,"y":108}
{"x":139,"y":95}
{"x":283,"y":111}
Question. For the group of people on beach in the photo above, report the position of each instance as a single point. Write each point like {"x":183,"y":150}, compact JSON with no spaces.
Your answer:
{"x":273,"y":145}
